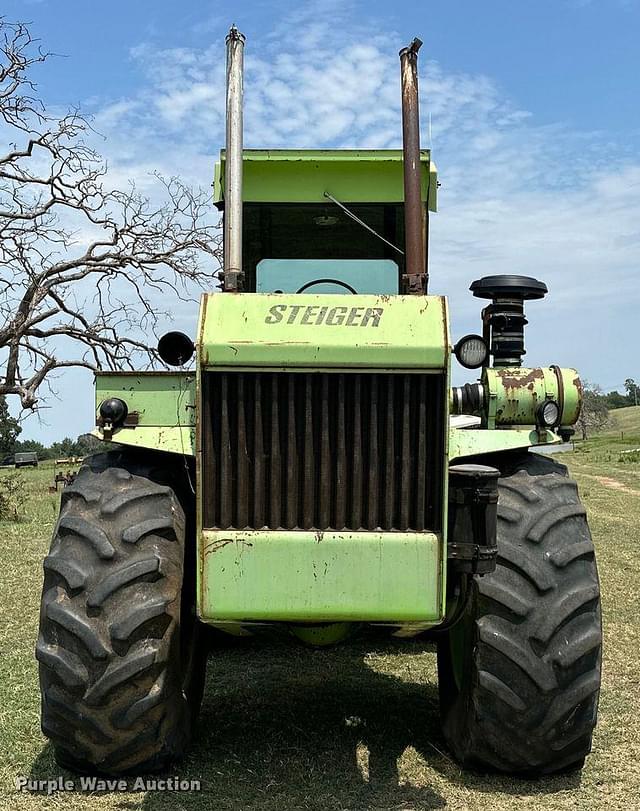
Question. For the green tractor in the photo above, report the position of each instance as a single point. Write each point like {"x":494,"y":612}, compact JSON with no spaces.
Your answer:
{"x":316,"y":471}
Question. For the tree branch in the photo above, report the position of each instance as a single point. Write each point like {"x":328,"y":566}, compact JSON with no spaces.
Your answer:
{"x":91,"y":302}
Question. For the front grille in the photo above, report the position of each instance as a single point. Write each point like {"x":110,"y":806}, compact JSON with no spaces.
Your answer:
{"x":297,"y":450}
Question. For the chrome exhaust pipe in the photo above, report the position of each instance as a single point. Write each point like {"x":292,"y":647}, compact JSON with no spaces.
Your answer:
{"x":232,"y":231}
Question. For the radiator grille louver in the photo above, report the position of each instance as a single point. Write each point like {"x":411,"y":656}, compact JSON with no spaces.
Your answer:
{"x":296,"y":450}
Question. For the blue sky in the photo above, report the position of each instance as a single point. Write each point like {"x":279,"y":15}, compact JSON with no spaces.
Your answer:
{"x":534,"y":121}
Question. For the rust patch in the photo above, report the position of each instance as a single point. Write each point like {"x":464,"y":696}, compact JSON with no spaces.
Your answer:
{"x":511,"y":381}
{"x":132,"y":418}
{"x":216,"y":546}
{"x":445,"y":322}
{"x":205,"y":300}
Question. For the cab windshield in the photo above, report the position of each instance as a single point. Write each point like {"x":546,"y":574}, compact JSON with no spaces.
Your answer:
{"x":376,"y":276}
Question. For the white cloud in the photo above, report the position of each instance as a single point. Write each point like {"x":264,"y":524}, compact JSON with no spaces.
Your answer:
{"x":516,"y":196}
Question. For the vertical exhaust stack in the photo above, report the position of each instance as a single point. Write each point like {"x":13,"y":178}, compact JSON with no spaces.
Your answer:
{"x":233,"y":276}
{"x":415,"y":277}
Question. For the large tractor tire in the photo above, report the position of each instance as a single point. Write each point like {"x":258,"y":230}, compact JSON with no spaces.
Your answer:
{"x":519,"y":673}
{"x":121,"y":660}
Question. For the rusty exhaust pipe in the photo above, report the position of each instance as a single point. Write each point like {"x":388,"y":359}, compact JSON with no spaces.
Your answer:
{"x":233,"y":275}
{"x":415,"y":276}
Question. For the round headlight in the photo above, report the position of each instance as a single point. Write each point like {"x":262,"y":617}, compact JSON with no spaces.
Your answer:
{"x":548,"y":414}
{"x":471,"y":351}
{"x":113,"y":411}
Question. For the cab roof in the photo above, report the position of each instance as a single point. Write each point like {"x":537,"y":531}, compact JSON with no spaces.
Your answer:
{"x":303,"y":176}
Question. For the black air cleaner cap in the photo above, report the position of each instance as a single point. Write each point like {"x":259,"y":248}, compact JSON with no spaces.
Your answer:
{"x":511,"y":286}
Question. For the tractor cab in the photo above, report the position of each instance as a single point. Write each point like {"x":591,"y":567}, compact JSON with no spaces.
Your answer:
{"x":325,"y":221}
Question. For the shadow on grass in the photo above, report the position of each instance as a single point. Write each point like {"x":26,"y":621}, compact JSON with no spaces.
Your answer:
{"x":286,"y":727}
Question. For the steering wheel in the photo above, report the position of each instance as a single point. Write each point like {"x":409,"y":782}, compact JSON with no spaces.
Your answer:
{"x":327,"y":281}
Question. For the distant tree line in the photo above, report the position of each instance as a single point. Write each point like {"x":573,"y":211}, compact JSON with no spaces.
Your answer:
{"x":84,"y":445}
{"x":10,"y":430}
{"x":631,"y":397}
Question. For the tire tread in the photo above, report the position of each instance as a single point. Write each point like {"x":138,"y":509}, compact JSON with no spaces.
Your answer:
{"x":108,"y":648}
{"x":528,"y":703}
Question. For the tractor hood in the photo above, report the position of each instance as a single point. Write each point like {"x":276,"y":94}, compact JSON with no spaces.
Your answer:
{"x":323,"y":331}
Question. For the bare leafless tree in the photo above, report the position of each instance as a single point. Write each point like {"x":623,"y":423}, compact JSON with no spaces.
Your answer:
{"x":80,"y":263}
{"x":594,"y":414}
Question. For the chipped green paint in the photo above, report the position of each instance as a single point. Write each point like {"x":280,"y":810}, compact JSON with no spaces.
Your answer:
{"x":170,"y":440}
{"x":319,"y":583}
{"x":162,"y":410}
{"x":323,"y":331}
{"x":248,"y":576}
{"x":515,"y":393}
{"x":481,"y":442}
{"x":304,"y":175}
{"x":304,"y":576}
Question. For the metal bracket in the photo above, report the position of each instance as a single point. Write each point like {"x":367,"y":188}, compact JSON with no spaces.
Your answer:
{"x":415,"y":283}
{"x":473,"y":503}
{"x":233,"y":281}
{"x":474,"y":559}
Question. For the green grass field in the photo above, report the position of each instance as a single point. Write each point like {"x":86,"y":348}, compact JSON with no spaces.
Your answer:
{"x":625,"y":420}
{"x":353,"y":727}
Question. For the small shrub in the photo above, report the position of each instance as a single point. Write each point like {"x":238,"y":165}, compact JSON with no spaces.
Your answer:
{"x":13,"y":496}
{"x":630,"y":457}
